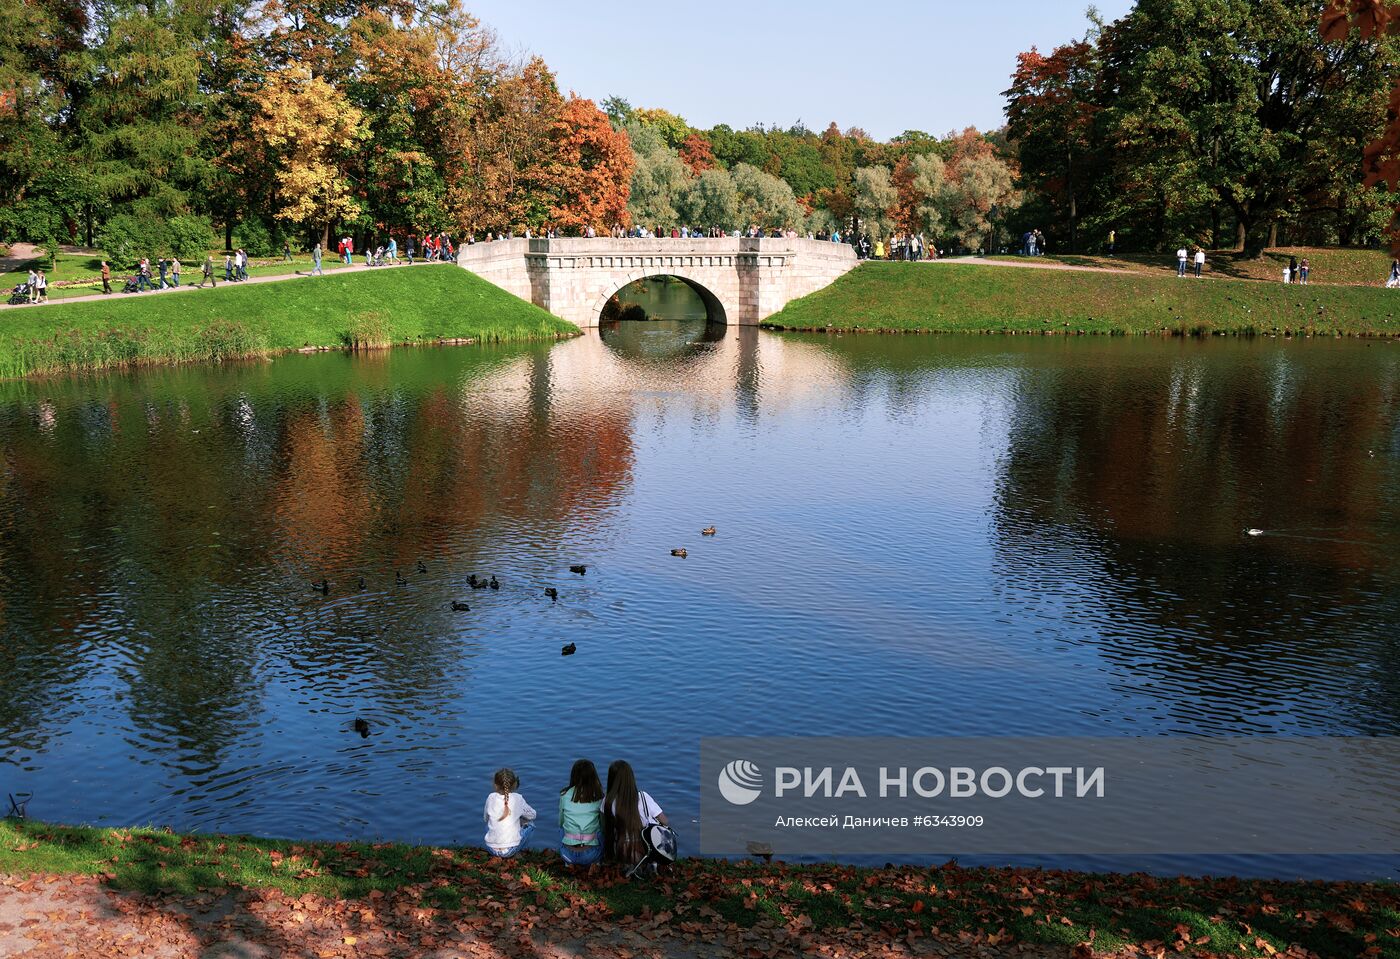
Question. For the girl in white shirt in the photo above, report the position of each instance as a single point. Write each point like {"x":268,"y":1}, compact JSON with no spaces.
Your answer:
{"x":509,"y":818}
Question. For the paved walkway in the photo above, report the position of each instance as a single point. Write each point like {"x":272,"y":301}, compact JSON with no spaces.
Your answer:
{"x":187,"y":286}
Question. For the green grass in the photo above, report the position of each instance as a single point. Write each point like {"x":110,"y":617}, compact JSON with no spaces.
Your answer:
{"x":1221,"y":916}
{"x":972,"y":298}
{"x":361,"y":309}
{"x":1328,"y":265}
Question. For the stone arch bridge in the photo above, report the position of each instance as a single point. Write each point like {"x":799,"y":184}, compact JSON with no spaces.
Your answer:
{"x":742,"y":281}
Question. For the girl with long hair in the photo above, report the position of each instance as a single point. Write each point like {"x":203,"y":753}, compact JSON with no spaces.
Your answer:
{"x":580,"y":816}
{"x":509,"y":818}
{"x":626,"y":812}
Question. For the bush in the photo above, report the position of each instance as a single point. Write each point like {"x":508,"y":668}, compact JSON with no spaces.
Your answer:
{"x":188,"y":237}
{"x":124,"y":238}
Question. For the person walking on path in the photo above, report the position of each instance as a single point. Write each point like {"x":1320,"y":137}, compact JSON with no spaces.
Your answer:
{"x":1181,"y":258}
{"x":1200,"y":261}
{"x":411,"y":249}
{"x":393,"y":250}
{"x":1112,"y":241}
{"x":1303,"y":267}
{"x":228,"y":267}
{"x":208,"y":276}
{"x":33,"y":285}
{"x":175,"y":270}
{"x":106,"y":277}
{"x":316,"y":260}
{"x":162,"y":264}
{"x":43,"y":282}
{"x":287,"y":251}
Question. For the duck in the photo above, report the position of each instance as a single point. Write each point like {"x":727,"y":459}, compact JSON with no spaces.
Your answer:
{"x":421,"y":567}
{"x":568,"y":650}
{"x":678,"y":552}
{"x":478,"y":583}
{"x":398,"y":578}
{"x":580,"y":569}
{"x":323,"y":587}
{"x":495,"y":583}
{"x":471,"y":581}
{"x":708,"y":531}
{"x":361,"y":584}
{"x":552,"y":593}
{"x":460,"y":607}
{"x":361,"y":727}
{"x":1254,"y":532}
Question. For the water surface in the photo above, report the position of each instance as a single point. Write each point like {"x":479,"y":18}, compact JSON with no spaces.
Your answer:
{"x":917,"y":536}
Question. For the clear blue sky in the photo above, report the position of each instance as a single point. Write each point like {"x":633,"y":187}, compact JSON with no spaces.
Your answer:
{"x":935,"y":65}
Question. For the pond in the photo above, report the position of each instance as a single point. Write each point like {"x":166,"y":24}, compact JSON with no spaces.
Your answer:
{"x":916,"y":536}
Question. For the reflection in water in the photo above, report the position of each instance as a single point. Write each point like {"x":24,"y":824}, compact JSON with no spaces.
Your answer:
{"x":917,"y":535}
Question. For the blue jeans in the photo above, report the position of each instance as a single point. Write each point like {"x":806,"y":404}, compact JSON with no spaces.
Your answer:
{"x":1180,"y":267}
{"x":580,"y":855}
{"x":526,"y":831}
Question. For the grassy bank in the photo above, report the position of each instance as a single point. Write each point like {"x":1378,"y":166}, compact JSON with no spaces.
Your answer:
{"x":363,"y":309}
{"x":972,"y":298}
{"x":1328,"y":265}
{"x":707,"y":899}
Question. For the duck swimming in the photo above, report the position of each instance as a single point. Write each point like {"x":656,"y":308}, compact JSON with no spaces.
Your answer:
{"x":323,"y":587}
{"x":679,"y":552}
{"x":460,"y":607}
{"x":361,"y":583}
{"x":581,"y":570}
{"x":708,"y":531}
{"x":552,"y":593}
{"x":568,"y":650}
{"x":421,"y":567}
{"x":495,"y":583}
{"x":361,"y":727}
{"x":398,"y":578}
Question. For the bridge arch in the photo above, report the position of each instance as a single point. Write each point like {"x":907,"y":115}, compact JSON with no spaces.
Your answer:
{"x":714,"y":307}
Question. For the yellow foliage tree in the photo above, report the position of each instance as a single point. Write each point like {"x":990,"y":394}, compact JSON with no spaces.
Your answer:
{"x":306,"y":127}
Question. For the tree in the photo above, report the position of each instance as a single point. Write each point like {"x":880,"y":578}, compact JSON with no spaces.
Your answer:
{"x":875,"y":197}
{"x":712,"y":200}
{"x":1051,"y":110}
{"x":930,"y":194}
{"x":595,"y":168}
{"x":697,"y":154}
{"x":984,"y":184}
{"x":765,"y":200}
{"x":308,"y":128}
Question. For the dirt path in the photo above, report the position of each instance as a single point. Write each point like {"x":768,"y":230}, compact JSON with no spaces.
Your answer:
{"x":50,"y":916}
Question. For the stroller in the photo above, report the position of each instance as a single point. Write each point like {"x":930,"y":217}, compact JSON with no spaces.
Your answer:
{"x":132,"y":285}
{"x":661,"y":851}
{"x":19,"y":295}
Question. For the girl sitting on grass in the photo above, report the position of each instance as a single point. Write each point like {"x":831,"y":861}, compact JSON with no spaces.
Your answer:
{"x":580,"y":812}
{"x":626,"y":812}
{"x":509,"y":818}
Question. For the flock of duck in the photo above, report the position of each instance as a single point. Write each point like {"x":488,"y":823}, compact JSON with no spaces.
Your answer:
{"x":475,"y":582}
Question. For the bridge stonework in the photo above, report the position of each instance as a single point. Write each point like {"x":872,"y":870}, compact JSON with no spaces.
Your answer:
{"x":743,"y":281}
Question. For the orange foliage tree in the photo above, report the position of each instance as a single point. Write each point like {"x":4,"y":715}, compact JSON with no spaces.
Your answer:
{"x":1382,"y":156}
{"x":595,"y":166}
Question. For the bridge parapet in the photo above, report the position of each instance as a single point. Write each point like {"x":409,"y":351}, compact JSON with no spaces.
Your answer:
{"x":744,"y":280}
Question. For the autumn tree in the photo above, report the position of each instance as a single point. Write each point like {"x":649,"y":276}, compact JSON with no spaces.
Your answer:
{"x":308,"y":128}
{"x":595,"y":165}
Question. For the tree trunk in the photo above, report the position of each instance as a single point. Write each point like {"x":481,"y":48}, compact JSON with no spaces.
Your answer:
{"x":325,"y":237}
{"x":1273,"y":235}
{"x":228,"y":234}
{"x":1241,"y":234}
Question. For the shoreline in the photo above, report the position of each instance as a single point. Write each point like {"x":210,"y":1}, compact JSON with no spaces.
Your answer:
{"x":982,"y":299}
{"x":281,"y":896}
{"x":359,"y":311}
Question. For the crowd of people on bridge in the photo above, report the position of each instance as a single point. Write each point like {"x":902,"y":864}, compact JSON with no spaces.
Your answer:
{"x":621,"y":824}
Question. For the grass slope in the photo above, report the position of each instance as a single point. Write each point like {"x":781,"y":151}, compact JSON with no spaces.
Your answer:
{"x":972,"y":298}
{"x":705,"y":898}
{"x":369,"y":308}
{"x":1328,"y":265}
